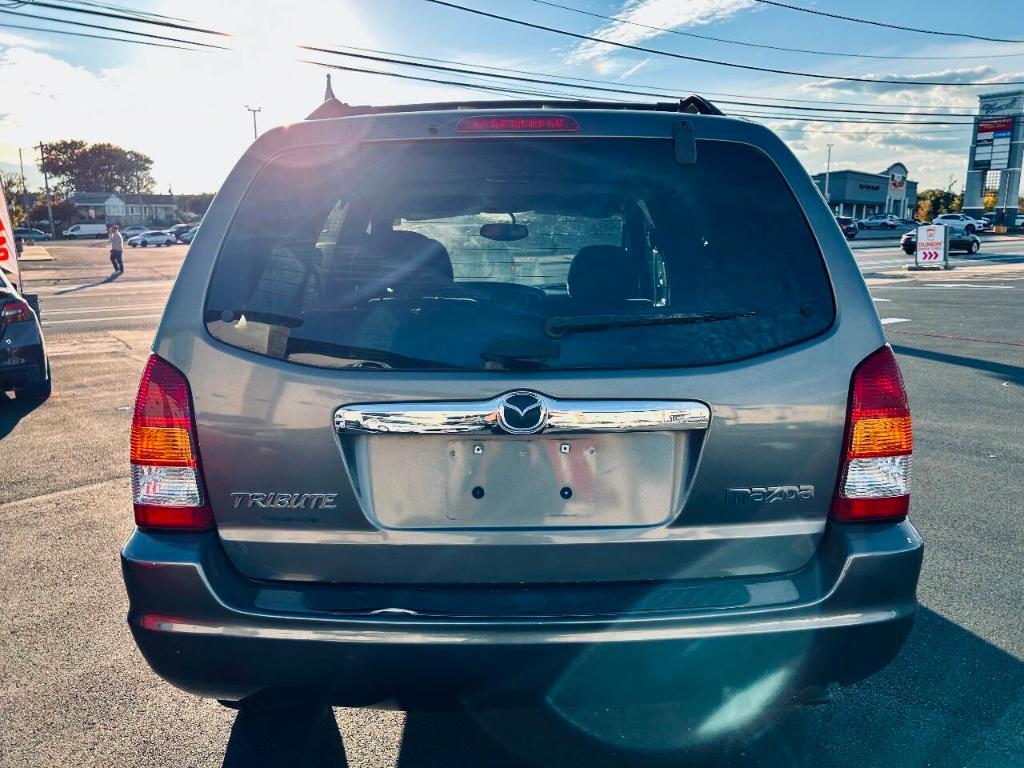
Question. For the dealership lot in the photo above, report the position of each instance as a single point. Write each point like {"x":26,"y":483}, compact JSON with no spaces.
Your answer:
{"x":75,"y":690}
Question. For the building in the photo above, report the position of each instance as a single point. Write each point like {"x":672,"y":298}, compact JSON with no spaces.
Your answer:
{"x":98,"y":206}
{"x":860,"y":193}
{"x":120,"y":208}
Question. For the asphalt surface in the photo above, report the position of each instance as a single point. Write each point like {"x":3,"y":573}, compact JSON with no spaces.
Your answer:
{"x":74,"y":690}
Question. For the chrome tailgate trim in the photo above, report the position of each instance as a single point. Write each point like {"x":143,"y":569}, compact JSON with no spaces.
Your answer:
{"x":516,"y":413}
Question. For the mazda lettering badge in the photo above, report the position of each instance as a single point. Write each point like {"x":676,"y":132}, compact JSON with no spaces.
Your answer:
{"x":522,"y":413}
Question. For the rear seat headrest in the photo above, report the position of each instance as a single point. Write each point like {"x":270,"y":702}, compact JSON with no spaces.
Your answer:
{"x":601,"y":274}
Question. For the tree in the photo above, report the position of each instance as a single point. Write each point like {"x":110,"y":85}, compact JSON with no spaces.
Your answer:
{"x":63,"y":213}
{"x":11,"y":183}
{"x":76,"y":166}
{"x":935,"y":202}
{"x":196,"y":204}
{"x":989,"y":201}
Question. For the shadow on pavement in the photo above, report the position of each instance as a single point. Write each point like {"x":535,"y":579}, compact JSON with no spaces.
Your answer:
{"x":109,"y":279}
{"x":13,"y":410}
{"x":1004,"y":371}
{"x":287,"y":738}
{"x":950,"y":700}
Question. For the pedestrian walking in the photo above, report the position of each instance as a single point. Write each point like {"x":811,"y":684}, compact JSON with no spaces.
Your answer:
{"x":116,"y":248}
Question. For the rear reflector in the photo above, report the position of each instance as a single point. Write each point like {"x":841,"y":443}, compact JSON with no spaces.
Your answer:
{"x":167,"y":484}
{"x":516,"y":124}
{"x":875,"y":480}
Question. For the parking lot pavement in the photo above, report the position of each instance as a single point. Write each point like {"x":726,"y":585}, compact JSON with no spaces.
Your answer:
{"x":74,"y":691}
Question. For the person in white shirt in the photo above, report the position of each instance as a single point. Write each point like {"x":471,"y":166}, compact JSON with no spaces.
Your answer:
{"x":116,"y":248}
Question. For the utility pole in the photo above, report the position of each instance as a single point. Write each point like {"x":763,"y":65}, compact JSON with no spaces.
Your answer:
{"x":828,"y":172}
{"x":24,"y":189}
{"x":46,"y":187}
{"x":254,"y":110}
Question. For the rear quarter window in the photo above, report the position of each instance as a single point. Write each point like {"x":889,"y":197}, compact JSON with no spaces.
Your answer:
{"x":511,"y":254}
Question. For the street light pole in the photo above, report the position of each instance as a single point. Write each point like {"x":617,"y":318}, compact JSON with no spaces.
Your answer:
{"x":24,"y":189}
{"x":254,"y":110}
{"x":828,"y":172}
{"x":46,"y":187}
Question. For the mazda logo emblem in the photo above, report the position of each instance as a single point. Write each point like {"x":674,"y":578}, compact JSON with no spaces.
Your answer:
{"x":522,"y":413}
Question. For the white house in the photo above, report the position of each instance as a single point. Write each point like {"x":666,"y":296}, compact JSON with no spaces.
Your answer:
{"x":120,"y":208}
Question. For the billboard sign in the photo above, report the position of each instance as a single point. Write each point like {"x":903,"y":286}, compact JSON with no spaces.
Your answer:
{"x":992,"y":147}
{"x":932,"y":246}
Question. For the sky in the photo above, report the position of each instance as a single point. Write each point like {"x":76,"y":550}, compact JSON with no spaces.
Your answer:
{"x":187,"y":109}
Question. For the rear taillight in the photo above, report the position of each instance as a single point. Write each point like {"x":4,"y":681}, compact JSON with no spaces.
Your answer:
{"x":15,"y":311}
{"x":875,"y":480}
{"x":167,"y":481}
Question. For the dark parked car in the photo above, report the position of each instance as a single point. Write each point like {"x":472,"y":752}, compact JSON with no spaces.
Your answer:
{"x":504,"y":402}
{"x":186,"y":237}
{"x":179,"y":229}
{"x":23,"y":363}
{"x":31,"y":235}
{"x":959,"y":240}
{"x":849,"y":226}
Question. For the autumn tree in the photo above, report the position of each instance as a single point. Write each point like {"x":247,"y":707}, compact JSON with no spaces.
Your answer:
{"x":76,"y":166}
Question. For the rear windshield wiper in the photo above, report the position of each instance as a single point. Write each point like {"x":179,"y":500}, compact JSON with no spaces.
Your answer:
{"x":557,"y":327}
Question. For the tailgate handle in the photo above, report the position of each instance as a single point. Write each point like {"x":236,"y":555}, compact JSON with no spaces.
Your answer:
{"x":522,"y":413}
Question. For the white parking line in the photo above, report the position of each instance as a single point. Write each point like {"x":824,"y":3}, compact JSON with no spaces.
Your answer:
{"x":891,"y":320}
{"x":87,"y":310}
{"x":875,"y":298}
{"x":968,"y":285}
{"x":100,"y":319}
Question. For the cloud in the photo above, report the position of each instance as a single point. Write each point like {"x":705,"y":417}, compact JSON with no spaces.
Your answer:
{"x":667,"y":14}
{"x":634,"y":69}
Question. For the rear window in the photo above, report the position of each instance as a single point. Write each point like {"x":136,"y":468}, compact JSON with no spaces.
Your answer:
{"x":511,"y":254}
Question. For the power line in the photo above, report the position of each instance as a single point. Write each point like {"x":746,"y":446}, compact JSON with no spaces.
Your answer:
{"x":135,"y":11}
{"x":747,"y":44}
{"x":716,"y":62}
{"x":87,"y":25}
{"x":884,"y":24}
{"x":94,"y":37}
{"x":125,"y":17}
{"x":456,"y":83}
{"x":679,"y":92}
{"x":550,"y":79}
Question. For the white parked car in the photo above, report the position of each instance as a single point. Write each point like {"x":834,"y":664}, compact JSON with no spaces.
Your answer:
{"x":880,"y":221}
{"x":152,"y":237}
{"x":969,"y":224}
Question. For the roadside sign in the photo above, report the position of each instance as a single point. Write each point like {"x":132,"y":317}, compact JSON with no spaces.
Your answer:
{"x":932,"y":246}
{"x":8,"y":251}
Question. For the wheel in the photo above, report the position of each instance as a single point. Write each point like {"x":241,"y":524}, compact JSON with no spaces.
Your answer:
{"x":144,"y":244}
{"x":970,"y":229}
{"x":890,"y":226}
{"x":909,"y":250}
{"x":975,"y":247}
{"x":860,"y":226}
{"x":134,"y":245}
{"x":40,"y":391}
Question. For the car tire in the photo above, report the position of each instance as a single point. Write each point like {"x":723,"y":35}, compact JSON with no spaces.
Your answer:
{"x":974,"y":247}
{"x":908,"y":250}
{"x":144,"y":244}
{"x":860,"y":226}
{"x":39,"y":392}
{"x":970,"y":229}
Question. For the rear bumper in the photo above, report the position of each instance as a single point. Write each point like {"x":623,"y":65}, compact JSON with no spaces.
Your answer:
{"x":23,"y":361}
{"x":209,"y":631}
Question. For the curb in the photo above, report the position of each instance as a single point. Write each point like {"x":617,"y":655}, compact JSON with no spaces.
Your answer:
{"x":35,"y":253}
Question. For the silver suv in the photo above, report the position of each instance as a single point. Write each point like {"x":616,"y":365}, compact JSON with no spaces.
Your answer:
{"x":506,"y":401}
